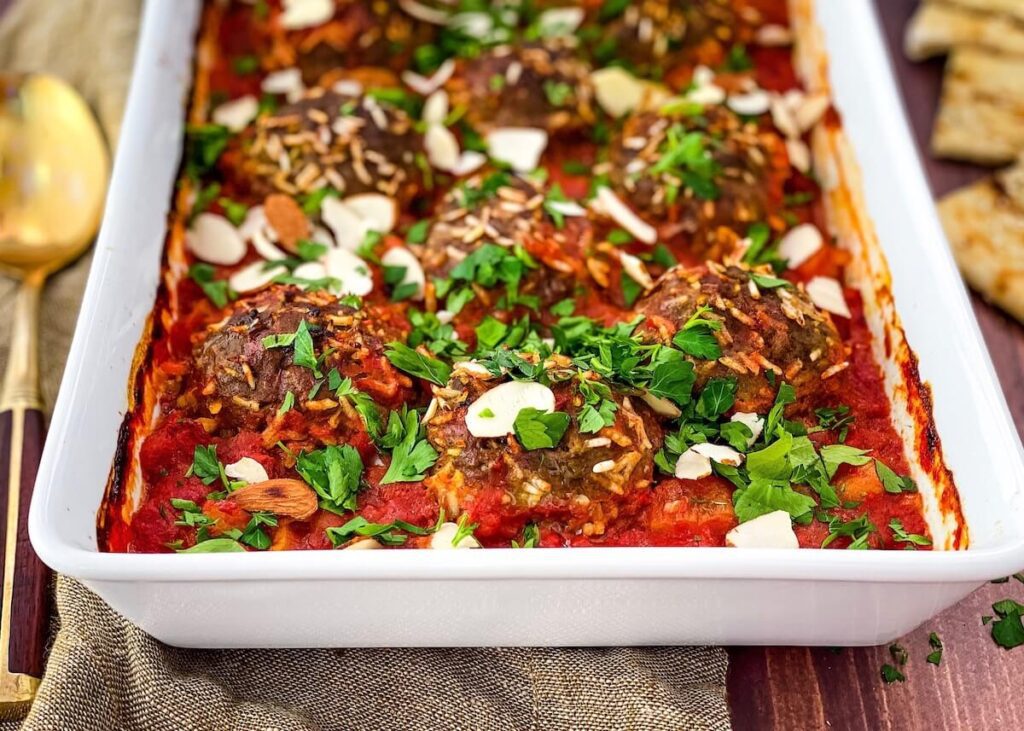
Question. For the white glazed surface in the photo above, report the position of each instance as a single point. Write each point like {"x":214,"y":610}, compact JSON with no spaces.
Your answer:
{"x":602,"y":596}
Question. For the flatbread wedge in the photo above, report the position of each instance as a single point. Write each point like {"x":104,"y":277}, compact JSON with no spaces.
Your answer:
{"x":1009,"y":8}
{"x":985,"y":226}
{"x":937,"y":28}
{"x":981,"y":115}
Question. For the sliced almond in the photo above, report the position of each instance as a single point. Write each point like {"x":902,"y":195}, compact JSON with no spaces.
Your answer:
{"x":636,"y":270}
{"x":345,"y":224}
{"x":378,"y":212}
{"x":287,"y":219}
{"x":616,"y":90}
{"x":347,"y":87}
{"x":246,"y":469}
{"x":435,"y":108}
{"x":719,"y":453}
{"x":424,"y":12}
{"x":827,"y":293}
{"x":253,"y":277}
{"x":520,"y":147}
{"x":708,"y":95}
{"x":237,"y":113}
{"x":475,"y":24}
{"x":469,"y":162}
{"x":362,"y":544}
{"x":799,"y":155}
{"x":212,"y":238}
{"x":299,"y":14}
{"x":773,"y":34}
{"x":661,"y":405}
{"x":566,"y":208}
{"x":692,"y":465}
{"x":810,"y":111}
{"x":800,"y":244}
{"x":771,"y":530}
{"x":311,"y":270}
{"x":752,"y":103}
{"x":444,"y":536}
{"x":625,"y":217}
{"x":265,"y":248}
{"x":442,"y":147}
{"x":286,"y":81}
{"x":399,"y":256}
{"x":494,"y":412}
{"x":353,"y":273}
{"x":428,"y":85}
{"x":292,"y":498}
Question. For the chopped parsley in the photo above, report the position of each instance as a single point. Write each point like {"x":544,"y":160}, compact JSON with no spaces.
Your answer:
{"x":892,"y":482}
{"x":335,"y":473}
{"x":1007,"y":630}
{"x":686,"y":155}
{"x":411,"y":453}
{"x":204,"y":144}
{"x":218,"y":291}
{"x":215,"y":545}
{"x":531,"y":537}
{"x":301,"y":341}
{"x":536,"y":429}
{"x":935,"y":656}
{"x":901,"y":536}
{"x":463,"y":530}
{"x":390,"y":534}
{"x":697,"y":336}
{"x":417,"y":364}
{"x":206,"y":466}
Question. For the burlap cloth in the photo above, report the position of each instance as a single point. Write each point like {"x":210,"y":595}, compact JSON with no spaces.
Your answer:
{"x":104,"y":673}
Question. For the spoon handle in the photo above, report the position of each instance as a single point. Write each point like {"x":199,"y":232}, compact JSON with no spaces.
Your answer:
{"x":25,"y":601}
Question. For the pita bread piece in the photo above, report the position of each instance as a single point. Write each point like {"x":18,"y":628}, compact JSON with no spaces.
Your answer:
{"x":981,"y":115}
{"x":937,"y":28}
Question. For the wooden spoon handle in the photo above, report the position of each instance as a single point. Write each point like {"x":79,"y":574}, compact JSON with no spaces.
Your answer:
{"x":25,"y":607}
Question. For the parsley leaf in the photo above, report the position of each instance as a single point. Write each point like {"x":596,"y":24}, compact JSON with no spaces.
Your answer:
{"x":216,"y":545}
{"x":892,"y":482}
{"x":334,"y":472}
{"x":416,"y":364}
{"x":217,"y":291}
{"x":206,"y":466}
{"x":901,"y":536}
{"x":538,"y":429}
{"x":411,"y":454}
{"x":1008,"y":631}
{"x":696,"y":337}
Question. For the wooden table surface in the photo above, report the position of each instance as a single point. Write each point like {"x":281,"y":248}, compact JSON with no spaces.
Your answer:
{"x":978,"y":684}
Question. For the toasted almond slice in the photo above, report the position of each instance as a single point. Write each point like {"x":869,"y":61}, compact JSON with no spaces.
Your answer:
{"x":707,"y":95}
{"x":616,"y":90}
{"x":429,"y":85}
{"x":752,"y":103}
{"x":772,"y":35}
{"x":661,"y":405}
{"x":520,"y":147}
{"x":435,"y":108}
{"x":444,"y":536}
{"x":424,"y":12}
{"x":771,"y":530}
{"x":212,"y":238}
{"x":237,"y":113}
{"x":287,"y":219}
{"x":782,"y":117}
{"x":504,"y":402}
{"x":292,"y":498}
{"x":799,"y":155}
{"x":246,"y":469}
{"x":299,"y":14}
{"x":567,"y":208}
{"x":811,"y":110}
{"x":353,"y":273}
{"x":692,"y":465}
{"x":286,"y":81}
{"x":752,"y":421}
{"x":252,"y":277}
{"x":362,"y":544}
{"x":348,"y":87}
{"x":475,"y":24}
{"x":399,"y":256}
{"x":312,"y":270}
{"x":625,"y":217}
{"x":827,"y":293}
{"x":442,"y":147}
{"x":719,"y":453}
{"x":559,"y":22}
{"x":469,"y":162}
{"x":800,"y":244}
{"x":345,"y":224}
{"x":636,"y":270}
{"x":378,"y":212}
{"x":264,"y":247}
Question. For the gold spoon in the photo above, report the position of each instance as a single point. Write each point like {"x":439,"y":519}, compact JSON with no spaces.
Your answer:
{"x":54,"y":169}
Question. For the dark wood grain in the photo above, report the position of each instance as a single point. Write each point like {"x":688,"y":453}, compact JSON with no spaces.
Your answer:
{"x":30,"y":605}
{"x":977,"y":686}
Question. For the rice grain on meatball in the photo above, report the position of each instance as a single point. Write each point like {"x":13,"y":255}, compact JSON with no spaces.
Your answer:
{"x":763,"y":329}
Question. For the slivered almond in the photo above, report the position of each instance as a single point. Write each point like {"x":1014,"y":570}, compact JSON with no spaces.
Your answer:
{"x":292,"y":498}
{"x":287,"y":220}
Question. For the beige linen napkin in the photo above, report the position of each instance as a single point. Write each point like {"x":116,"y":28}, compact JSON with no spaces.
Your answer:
{"x":104,"y":673}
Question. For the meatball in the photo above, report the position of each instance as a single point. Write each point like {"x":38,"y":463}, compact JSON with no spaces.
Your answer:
{"x":763,"y":329}
{"x":691,"y":175}
{"x":657,"y":35}
{"x":510,"y":212}
{"x":355,"y":144}
{"x":580,"y":486}
{"x":361,"y":34}
{"x":242,"y":379}
{"x":533,"y":85}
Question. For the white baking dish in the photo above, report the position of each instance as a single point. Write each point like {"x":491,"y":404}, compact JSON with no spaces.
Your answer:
{"x":542,"y":597}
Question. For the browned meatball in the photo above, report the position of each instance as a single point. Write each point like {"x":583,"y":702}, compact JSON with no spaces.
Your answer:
{"x":581,"y":485}
{"x":656,"y":35}
{"x":538,"y":85}
{"x":244,"y":380}
{"x":690,"y":175}
{"x":509,"y":211}
{"x":362,"y":33}
{"x":353,"y":144}
{"x":762,"y":329}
